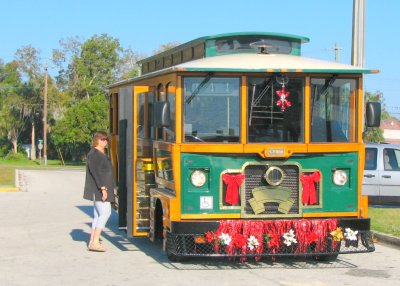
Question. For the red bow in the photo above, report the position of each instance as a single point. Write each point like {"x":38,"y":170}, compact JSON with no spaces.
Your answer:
{"x":309,"y":196}
{"x":232,"y":181}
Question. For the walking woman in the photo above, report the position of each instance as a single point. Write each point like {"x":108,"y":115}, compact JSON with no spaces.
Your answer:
{"x":99,"y":187}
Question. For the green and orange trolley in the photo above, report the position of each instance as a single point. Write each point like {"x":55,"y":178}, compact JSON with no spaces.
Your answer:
{"x":236,"y":145}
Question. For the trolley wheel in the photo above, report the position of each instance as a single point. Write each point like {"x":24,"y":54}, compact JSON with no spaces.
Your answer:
{"x":169,"y":246}
{"x":327,"y":257}
{"x":170,"y":253}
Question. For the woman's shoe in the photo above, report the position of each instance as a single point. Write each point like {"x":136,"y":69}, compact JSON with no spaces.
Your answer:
{"x":98,"y":247}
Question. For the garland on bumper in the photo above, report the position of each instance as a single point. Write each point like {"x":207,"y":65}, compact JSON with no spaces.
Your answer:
{"x":244,"y":237}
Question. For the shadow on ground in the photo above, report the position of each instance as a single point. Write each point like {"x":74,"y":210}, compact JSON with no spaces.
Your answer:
{"x":119,"y":239}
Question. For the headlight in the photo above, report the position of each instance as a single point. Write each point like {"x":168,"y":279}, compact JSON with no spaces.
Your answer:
{"x":339,"y":177}
{"x":198,"y":178}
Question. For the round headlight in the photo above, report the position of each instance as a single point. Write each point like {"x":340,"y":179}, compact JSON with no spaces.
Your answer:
{"x":274,"y":176}
{"x":339,"y":177}
{"x":198,"y":178}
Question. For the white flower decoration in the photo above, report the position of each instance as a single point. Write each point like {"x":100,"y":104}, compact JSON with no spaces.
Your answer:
{"x":350,"y":234}
{"x":225,"y":238}
{"x":252,"y":242}
{"x":289,"y":238}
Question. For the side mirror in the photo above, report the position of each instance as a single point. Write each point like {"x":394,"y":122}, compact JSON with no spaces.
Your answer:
{"x":161,"y":114}
{"x":373,"y":114}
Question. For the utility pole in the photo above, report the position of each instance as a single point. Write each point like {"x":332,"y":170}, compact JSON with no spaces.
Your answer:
{"x":45,"y":116}
{"x":336,"y":48}
{"x":358,"y":43}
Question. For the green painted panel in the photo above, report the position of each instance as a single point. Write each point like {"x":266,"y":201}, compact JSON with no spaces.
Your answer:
{"x":334,"y":198}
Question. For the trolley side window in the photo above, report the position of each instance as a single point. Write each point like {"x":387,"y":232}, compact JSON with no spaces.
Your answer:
{"x":333,"y":110}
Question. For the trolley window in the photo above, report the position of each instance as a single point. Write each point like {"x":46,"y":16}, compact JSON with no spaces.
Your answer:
{"x":211,"y":109}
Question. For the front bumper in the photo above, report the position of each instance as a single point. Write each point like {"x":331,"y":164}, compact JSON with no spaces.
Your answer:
{"x":313,"y":238}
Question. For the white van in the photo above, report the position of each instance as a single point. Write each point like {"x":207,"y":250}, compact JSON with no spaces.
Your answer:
{"x":381,"y":182}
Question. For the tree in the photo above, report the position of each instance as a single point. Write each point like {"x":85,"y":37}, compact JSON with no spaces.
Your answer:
{"x":28,"y":59}
{"x":73,"y":132}
{"x":13,"y":110}
{"x":85,"y":69}
{"x":166,"y":47}
{"x":376,"y":134}
{"x":98,"y":63}
{"x":129,"y":67}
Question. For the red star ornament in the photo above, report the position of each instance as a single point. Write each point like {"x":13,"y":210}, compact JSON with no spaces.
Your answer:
{"x":283,"y":102}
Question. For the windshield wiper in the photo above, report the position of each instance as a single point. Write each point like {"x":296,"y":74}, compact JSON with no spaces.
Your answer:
{"x":197,"y":90}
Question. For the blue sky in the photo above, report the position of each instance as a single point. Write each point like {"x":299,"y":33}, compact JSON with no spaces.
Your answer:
{"x":145,"y":25}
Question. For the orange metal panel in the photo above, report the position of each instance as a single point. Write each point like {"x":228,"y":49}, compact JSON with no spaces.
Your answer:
{"x":275,"y":150}
{"x":209,"y":148}
{"x":333,"y":147}
{"x":333,"y":214}
{"x":175,"y":203}
{"x":209,"y":216}
{"x":178,"y":110}
{"x":243,"y":97}
{"x":360,"y":111}
{"x":307,"y":111}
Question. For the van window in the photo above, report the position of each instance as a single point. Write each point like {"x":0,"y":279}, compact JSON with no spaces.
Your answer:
{"x":370,"y":158}
{"x":391,"y":159}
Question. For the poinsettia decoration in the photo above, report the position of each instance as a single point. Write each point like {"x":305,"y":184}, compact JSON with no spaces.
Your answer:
{"x":252,"y":242}
{"x":225,"y":239}
{"x":337,"y":234}
{"x":289,"y":238}
{"x":350,"y":234}
{"x":244,"y":237}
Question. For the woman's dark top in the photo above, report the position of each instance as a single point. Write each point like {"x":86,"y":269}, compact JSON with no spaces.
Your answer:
{"x":99,"y":173}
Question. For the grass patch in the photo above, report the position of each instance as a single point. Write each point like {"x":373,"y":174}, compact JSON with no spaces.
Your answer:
{"x":385,"y":220}
{"x":7,"y":176}
{"x":7,"y":168}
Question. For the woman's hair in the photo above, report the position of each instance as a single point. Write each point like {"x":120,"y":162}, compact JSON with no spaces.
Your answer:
{"x":97,"y":136}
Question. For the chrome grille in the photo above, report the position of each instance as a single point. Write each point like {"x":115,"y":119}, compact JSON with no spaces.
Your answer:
{"x":254,"y":177}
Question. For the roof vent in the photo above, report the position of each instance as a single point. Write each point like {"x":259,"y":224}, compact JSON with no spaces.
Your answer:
{"x":262,"y":45}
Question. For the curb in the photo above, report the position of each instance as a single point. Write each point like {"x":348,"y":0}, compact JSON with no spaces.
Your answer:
{"x":8,"y":189}
{"x":386,"y":238}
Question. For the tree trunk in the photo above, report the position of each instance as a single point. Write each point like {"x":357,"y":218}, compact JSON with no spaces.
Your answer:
{"x":12,"y":136}
{"x":33,"y":149}
{"x":14,"y":143}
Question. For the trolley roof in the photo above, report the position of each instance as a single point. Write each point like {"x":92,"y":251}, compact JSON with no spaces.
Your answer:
{"x":276,"y":53}
{"x":268,"y":63}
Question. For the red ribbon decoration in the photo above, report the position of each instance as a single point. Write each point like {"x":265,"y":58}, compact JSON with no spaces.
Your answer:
{"x":233,"y":182}
{"x":309,"y":196}
{"x":307,"y":232}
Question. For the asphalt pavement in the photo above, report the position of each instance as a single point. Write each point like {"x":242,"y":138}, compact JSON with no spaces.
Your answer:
{"x":44,"y":228}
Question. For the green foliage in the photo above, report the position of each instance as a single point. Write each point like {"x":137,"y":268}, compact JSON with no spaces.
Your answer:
{"x":129,"y":67}
{"x":74,"y":131}
{"x":166,"y":47}
{"x":13,"y":109}
{"x":375,"y":135}
{"x":16,"y":156}
{"x":97,"y":64}
{"x":5,"y":147}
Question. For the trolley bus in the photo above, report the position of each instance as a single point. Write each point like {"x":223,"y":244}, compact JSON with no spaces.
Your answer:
{"x":236,"y":145}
